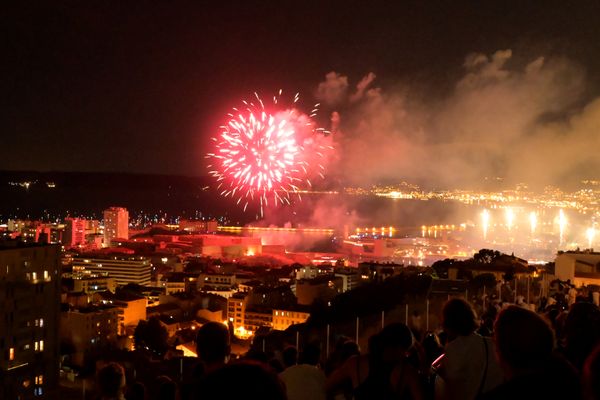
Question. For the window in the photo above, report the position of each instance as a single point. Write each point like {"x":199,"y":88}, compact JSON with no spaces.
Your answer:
{"x":41,"y":322}
{"x":34,"y":275}
{"x":11,"y":354}
{"x":41,"y":345}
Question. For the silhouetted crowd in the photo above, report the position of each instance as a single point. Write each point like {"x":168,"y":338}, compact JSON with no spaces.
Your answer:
{"x":519,"y":354}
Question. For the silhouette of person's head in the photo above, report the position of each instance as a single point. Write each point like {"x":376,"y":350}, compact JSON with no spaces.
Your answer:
{"x":581,"y":332}
{"x":591,"y":376}
{"x":391,"y":344}
{"x":348,"y":349}
{"x":137,"y":391}
{"x":524,"y":340}
{"x":310,"y":354}
{"x":167,"y":389}
{"x":111,"y":381}
{"x":432,"y":346}
{"x":251,"y":380}
{"x":213,"y":344}
{"x":290,"y":356}
{"x":458,"y":318}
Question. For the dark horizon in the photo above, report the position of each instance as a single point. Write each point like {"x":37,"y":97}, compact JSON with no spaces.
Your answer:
{"x":141,"y":88}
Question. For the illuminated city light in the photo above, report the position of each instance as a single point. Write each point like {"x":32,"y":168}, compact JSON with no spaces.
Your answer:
{"x":590,"y":234}
{"x":532,"y":221}
{"x":562,"y":225}
{"x":243,"y":333}
{"x":485,"y":222}
{"x":510,"y":218}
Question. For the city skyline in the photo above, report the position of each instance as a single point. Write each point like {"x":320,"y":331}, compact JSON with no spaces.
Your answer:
{"x":287,"y":189}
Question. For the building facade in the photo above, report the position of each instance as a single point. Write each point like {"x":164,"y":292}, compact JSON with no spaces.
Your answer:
{"x":89,"y":330}
{"x":74,"y":234}
{"x":283,"y":319}
{"x":123,"y":268}
{"x":29,"y":308}
{"x":88,"y":282}
{"x":580,"y":267}
{"x":116,"y":224}
{"x":131,"y":308}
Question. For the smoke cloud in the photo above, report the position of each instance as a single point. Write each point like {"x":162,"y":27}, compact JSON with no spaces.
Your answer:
{"x":333,"y":90}
{"x":527,"y":122}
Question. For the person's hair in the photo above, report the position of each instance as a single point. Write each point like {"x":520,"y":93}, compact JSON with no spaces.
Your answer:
{"x":310,"y":354}
{"x":349,"y":349}
{"x":581,"y":332}
{"x":431,"y":346}
{"x":591,"y":375}
{"x":212,"y":342}
{"x":167,"y":389}
{"x":252,"y":381}
{"x":137,"y":391}
{"x":389,"y":345}
{"x":395,"y":335}
{"x":524,"y":340}
{"x":111,"y":380}
{"x":290,"y":356}
{"x":459,"y":317}
{"x":276,"y":365}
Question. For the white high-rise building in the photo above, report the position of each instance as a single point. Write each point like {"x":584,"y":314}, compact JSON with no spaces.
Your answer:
{"x":116,"y":224}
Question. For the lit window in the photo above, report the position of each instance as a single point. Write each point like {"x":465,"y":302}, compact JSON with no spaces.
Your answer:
{"x":41,"y":322}
{"x":34,"y":275}
{"x":36,"y":346}
{"x":11,"y":354}
{"x":41,"y":345}
{"x":46,"y":275}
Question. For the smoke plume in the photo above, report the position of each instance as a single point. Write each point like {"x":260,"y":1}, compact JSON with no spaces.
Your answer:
{"x":526,"y":122}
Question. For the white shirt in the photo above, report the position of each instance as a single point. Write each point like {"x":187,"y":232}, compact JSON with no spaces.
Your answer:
{"x":463,"y":368}
{"x":304,"y":381}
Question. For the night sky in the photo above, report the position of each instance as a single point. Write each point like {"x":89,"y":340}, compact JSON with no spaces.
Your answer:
{"x":140,"y":86}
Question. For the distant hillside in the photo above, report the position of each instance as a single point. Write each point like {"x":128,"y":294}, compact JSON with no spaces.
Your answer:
{"x":56,"y":193}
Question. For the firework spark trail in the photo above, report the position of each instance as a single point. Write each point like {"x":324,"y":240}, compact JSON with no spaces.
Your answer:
{"x":267,"y":156}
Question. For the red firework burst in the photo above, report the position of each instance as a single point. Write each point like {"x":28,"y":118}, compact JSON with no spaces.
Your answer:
{"x":261,"y":155}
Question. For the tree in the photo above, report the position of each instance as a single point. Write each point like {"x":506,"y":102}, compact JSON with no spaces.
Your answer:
{"x":486,"y":256}
{"x":151,"y":335}
{"x":509,"y":276}
{"x":486,"y":280}
{"x":441,"y":267}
